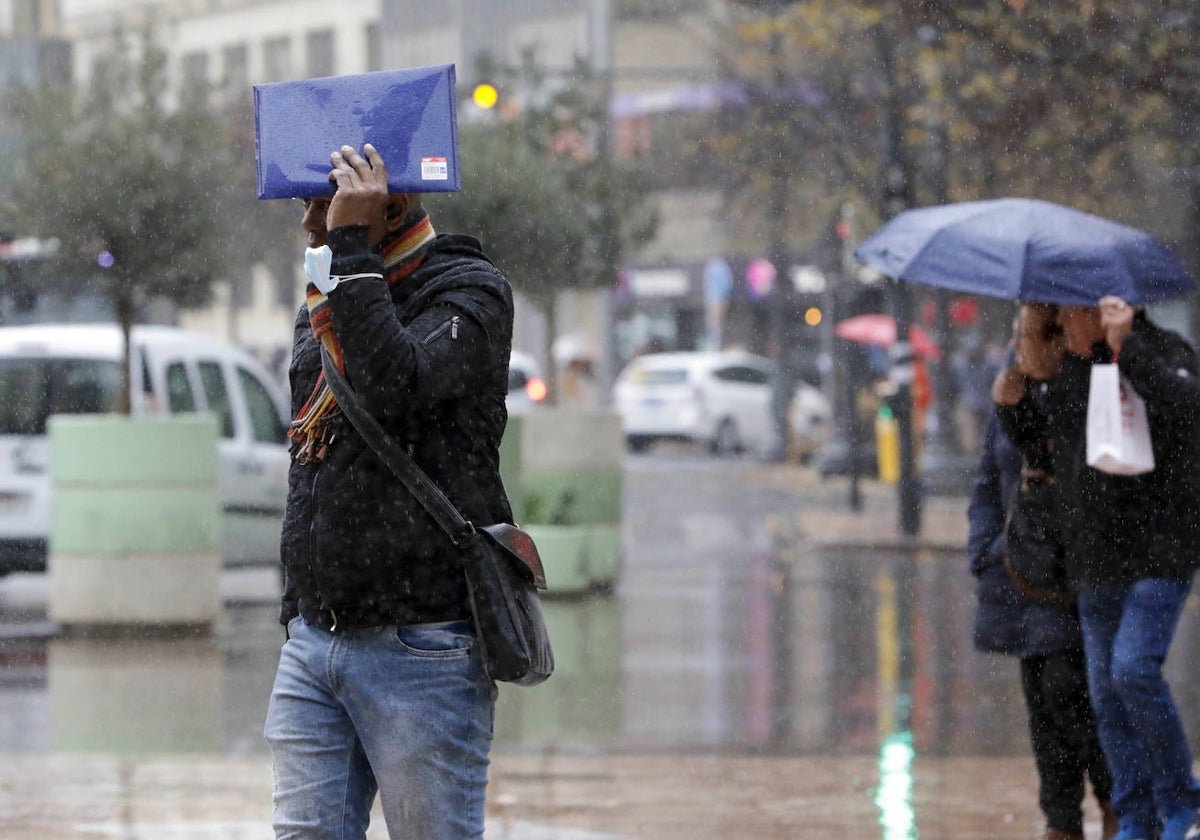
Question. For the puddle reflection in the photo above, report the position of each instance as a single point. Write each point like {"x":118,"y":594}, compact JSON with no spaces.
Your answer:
{"x":817,"y":652}
{"x":135,"y":695}
{"x":738,"y":648}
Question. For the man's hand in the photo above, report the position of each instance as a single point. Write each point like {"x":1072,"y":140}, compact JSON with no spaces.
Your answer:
{"x":1116,"y":316}
{"x":362,"y":190}
{"x":1008,"y":388}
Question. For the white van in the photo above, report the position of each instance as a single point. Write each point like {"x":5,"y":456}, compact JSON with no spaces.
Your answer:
{"x":50,"y":369}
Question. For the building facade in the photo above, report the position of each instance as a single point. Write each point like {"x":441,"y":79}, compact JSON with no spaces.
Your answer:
{"x":657,"y":59}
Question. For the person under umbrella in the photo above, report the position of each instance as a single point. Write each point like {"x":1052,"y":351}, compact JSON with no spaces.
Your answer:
{"x":1130,"y":549}
{"x":1129,"y":540}
{"x":879,"y":330}
{"x":1033,"y":616}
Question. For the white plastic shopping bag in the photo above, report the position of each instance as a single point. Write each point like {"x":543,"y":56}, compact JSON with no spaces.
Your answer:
{"x":1118,"y":433}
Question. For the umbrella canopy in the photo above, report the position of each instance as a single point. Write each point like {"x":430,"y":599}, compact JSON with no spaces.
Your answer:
{"x":1025,"y":249}
{"x":880,"y":331}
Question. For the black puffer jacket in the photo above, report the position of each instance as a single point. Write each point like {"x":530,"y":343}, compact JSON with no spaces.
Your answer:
{"x":429,"y":359}
{"x":1118,"y":529}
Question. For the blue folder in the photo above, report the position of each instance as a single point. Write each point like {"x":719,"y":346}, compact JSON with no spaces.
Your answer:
{"x":408,"y":115}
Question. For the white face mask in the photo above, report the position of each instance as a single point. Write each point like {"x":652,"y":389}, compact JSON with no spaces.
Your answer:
{"x":317,"y":262}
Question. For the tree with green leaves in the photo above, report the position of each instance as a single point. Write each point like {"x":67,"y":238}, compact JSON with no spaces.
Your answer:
{"x":135,"y":188}
{"x":530,"y":224}
{"x":542,"y":192}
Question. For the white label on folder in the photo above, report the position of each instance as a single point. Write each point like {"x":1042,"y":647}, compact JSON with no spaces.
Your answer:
{"x":434,"y":169}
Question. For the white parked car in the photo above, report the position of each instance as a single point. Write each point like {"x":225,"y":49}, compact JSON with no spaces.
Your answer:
{"x":75,"y":369}
{"x":719,"y":399}
{"x":810,"y":420}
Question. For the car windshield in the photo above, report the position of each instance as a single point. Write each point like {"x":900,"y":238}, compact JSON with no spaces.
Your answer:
{"x":660,"y":376}
{"x":33,"y":389}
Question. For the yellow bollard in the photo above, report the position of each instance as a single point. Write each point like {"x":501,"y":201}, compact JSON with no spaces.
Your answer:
{"x":887,"y":445}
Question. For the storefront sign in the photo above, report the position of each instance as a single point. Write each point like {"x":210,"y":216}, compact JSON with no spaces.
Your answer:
{"x":658,"y":282}
{"x":760,"y":278}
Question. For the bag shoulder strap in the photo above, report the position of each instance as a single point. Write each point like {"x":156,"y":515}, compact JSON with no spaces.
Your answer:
{"x":391,"y":453}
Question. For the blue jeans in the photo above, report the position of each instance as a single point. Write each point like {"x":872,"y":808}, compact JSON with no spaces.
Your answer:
{"x":402,"y":711}
{"x":1127,"y":630}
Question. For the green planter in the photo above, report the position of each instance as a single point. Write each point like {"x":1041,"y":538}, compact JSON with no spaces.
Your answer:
{"x":563,"y":470}
{"x":135,"y":525}
{"x":578,"y":558}
{"x":569,"y":496}
{"x":564,"y":553}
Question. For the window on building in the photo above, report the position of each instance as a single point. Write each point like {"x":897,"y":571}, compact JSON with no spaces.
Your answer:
{"x":28,"y":20}
{"x":656,"y":9}
{"x":55,"y":59}
{"x":374,"y":47}
{"x":193,"y":68}
{"x":236,"y":69}
{"x":283,"y":270}
{"x":102,"y":64}
{"x":319,"y":52}
{"x":670,"y":149}
{"x":277,"y":60}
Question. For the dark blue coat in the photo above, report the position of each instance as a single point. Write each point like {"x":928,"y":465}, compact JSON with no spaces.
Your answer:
{"x":1006,"y":621}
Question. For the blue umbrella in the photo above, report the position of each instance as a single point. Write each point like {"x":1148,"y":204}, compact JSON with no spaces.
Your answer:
{"x":1025,"y":249}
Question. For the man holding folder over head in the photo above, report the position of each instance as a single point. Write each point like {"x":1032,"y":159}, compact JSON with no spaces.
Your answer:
{"x":380,"y":686}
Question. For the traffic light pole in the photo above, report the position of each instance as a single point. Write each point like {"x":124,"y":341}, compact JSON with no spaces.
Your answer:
{"x":847,"y":233}
{"x":897,"y":197}
{"x":902,"y":375}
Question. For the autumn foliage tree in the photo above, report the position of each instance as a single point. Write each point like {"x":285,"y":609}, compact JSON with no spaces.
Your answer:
{"x":1093,"y":105}
{"x":1089,"y":104}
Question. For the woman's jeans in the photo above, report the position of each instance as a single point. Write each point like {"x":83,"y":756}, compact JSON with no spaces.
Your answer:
{"x":402,"y":711}
{"x":1127,"y":629}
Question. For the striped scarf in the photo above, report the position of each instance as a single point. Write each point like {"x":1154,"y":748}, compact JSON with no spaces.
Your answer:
{"x":401,"y":255}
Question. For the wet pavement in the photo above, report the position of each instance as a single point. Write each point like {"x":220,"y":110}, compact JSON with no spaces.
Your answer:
{"x":771,"y":665}
{"x":549,"y":797}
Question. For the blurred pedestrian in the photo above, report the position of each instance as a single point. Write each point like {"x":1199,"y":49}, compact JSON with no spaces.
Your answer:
{"x":1130,"y":549}
{"x":974,"y":371}
{"x":380,"y":686}
{"x":922,"y":402}
{"x":1034,"y":617}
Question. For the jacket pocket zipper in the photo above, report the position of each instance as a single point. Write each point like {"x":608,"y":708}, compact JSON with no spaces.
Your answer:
{"x":312,"y":537}
{"x":451,"y":325}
